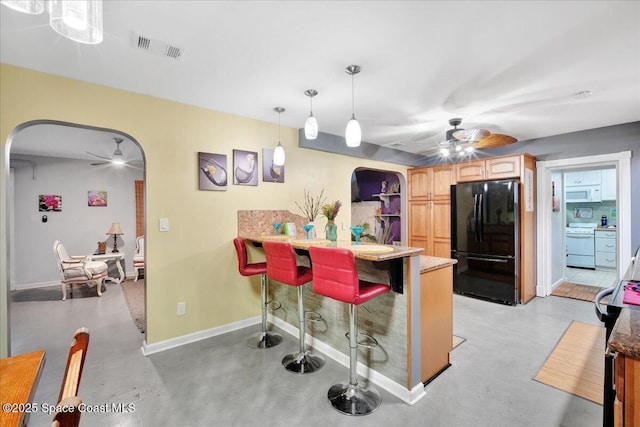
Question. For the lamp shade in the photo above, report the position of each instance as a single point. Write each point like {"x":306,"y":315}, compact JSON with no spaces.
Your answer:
{"x":80,"y":21}
{"x":278,"y":155}
{"x":33,"y":7}
{"x":311,"y":128}
{"x":353,"y":134}
{"x":115,"y":230}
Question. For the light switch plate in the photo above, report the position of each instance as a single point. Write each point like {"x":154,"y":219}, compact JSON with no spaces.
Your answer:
{"x":163,"y":224}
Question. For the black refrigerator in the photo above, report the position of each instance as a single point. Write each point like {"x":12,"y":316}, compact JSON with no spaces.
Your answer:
{"x":484,"y":240}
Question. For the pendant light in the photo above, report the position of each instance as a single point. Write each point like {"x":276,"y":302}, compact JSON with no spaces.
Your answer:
{"x":80,"y":21}
{"x":33,"y":7}
{"x":278,"y":152}
{"x":311,"y":125}
{"x":353,"y":133}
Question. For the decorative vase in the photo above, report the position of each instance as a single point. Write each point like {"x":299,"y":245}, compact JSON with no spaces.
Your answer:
{"x":331,"y":230}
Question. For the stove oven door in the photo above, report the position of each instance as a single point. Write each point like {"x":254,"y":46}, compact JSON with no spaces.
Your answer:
{"x":580,"y":250}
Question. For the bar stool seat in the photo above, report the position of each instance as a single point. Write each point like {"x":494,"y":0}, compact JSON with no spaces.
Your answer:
{"x":282,"y":267}
{"x":264,"y":338}
{"x":335,"y":276}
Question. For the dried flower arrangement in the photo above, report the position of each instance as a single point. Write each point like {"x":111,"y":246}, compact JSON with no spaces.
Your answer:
{"x":311,"y":206}
{"x":330,"y":210}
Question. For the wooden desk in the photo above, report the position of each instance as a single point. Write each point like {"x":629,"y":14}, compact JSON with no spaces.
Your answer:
{"x":383,"y":257}
{"x":19,"y":377}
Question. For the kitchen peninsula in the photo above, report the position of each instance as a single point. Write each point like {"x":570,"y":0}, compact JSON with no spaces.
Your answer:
{"x":412,"y":324}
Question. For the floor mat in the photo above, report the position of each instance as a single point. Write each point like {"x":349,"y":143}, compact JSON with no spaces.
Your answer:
{"x":576,"y":291}
{"x":134,"y":296}
{"x":576,"y":364}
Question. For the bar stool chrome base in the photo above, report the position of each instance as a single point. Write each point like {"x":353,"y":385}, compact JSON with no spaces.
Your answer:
{"x":264,"y":340}
{"x":302,"y":363}
{"x":354,"y":400}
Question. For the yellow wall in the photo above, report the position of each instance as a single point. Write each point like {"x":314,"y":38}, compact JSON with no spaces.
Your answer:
{"x":195,"y":261}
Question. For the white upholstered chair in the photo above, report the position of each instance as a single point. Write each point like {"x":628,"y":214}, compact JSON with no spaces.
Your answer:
{"x":138,"y":257}
{"x":78,"y":269}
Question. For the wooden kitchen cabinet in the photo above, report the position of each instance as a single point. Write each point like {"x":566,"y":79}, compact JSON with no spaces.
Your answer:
{"x":430,"y":209}
{"x":627,"y":382}
{"x":436,"y":321}
{"x":431,"y":183}
{"x":486,"y":169}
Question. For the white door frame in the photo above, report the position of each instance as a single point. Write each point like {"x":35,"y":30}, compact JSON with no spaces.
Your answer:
{"x":622,"y":162}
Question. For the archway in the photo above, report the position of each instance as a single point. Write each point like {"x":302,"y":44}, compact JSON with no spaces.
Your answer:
{"x":47,"y":157}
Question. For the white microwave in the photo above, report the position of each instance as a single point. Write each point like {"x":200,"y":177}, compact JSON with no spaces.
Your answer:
{"x":582,"y":193}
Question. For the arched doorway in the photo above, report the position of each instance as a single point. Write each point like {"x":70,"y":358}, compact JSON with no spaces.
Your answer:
{"x":73,"y":162}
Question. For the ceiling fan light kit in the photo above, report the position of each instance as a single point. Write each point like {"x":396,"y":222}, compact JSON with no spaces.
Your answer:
{"x":464,"y":142}
{"x":79,"y":20}
{"x":311,"y":125}
{"x":353,"y":133}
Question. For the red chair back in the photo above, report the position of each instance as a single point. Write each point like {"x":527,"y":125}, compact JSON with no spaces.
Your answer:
{"x":335,"y":275}
{"x":282,"y":266}
{"x":244,"y":267}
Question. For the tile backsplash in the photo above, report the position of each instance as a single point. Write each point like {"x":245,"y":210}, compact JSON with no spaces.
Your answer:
{"x":576,"y":212}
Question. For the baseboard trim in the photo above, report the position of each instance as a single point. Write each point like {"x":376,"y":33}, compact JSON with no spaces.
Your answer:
{"x":34,"y":285}
{"x":402,"y":393}
{"x":148,"y":349}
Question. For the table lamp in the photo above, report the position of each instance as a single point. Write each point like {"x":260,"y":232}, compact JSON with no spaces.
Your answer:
{"x":115,"y":231}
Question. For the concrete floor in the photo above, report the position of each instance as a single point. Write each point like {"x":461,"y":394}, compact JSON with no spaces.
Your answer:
{"x":222,"y":382}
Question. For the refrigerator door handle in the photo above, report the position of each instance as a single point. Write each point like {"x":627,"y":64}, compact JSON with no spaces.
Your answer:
{"x":501,"y":261}
{"x":476,"y":234}
{"x":481,"y":221}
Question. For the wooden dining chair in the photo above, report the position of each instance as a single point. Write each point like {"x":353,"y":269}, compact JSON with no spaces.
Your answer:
{"x":68,"y":396}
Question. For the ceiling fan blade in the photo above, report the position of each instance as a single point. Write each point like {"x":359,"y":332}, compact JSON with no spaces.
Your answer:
{"x":495,"y":140}
{"x":98,"y":164}
{"x":471,"y":134}
{"x":98,"y":156}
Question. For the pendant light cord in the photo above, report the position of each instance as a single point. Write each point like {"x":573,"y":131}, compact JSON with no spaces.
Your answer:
{"x":353,"y":98}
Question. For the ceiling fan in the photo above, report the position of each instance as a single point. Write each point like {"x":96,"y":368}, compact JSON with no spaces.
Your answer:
{"x":117,"y":158}
{"x":462,"y":142}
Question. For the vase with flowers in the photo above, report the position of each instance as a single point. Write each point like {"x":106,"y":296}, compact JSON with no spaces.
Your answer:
{"x":330,"y":211}
{"x":310,"y":208}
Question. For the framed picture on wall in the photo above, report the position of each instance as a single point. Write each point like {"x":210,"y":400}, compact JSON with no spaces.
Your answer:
{"x":49,"y":203}
{"x":270,"y":172}
{"x":96,"y":198}
{"x":212,"y":171}
{"x":245,"y":167}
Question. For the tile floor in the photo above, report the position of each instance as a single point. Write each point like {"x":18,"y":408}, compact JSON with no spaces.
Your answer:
{"x":586,"y":276}
{"x":221,"y":382}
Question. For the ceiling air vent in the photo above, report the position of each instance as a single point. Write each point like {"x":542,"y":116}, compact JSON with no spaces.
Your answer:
{"x":157,"y":47}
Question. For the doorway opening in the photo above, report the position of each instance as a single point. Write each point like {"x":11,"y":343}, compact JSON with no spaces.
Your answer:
{"x":74,"y":163}
{"x":555,"y":216}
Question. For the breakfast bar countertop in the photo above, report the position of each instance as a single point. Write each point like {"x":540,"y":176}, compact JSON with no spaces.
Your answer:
{"x":428,"y":263}
{"x":364,"y":251}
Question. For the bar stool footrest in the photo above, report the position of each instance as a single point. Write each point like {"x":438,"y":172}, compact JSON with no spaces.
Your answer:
{"x":276,"y":305}
{"x":312,"y":316}
{"x":366,"y":341}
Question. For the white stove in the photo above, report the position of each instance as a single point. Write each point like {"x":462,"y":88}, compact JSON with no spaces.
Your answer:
{"x":580,"y":239}
{"x":582,"y":228}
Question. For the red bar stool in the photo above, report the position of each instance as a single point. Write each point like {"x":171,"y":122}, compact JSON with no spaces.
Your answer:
{"x":263,"y":339}
{"x":282,"y":267}
{"x":335,"y":276}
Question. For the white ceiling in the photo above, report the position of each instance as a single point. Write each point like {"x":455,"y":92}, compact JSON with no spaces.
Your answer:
{"x":511,"y":67}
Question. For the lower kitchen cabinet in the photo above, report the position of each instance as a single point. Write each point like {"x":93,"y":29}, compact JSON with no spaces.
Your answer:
{"x":605,"y":249}
{"x":626,"y":408}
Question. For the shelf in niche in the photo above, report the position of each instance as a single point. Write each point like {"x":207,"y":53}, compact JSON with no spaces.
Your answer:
{"x":385,"y":197}
{"x":387,"y":215}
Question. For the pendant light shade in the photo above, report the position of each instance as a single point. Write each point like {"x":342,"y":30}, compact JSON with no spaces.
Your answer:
{"x":80,"y":21}
{"x":33,"y":7}
{"x":353,"y":133}
{"x":278,"y":152}
{"x":311,"y":125}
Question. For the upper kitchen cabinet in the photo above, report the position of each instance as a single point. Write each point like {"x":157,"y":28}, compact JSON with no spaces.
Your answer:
{"x":431,"y":183}
{"x":493,"y":168}
{"x":608,"y":190}
{"x":592,"y":177}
